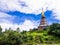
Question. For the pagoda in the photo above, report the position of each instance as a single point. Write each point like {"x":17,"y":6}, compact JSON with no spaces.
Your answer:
{"x":43,"y":23}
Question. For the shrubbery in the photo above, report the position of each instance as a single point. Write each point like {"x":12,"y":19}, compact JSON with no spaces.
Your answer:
{"x":10,"y":37}
{"x":54,"y":29}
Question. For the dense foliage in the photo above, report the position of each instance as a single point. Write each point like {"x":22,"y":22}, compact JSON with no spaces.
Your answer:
{"x":54,"y":29}
{"x":32,"y":37}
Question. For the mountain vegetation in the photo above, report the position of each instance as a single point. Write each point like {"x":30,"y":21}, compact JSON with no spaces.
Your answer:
{"x":51,"y":35}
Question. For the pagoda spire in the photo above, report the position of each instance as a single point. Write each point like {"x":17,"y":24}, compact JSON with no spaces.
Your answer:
{"x":42,"y":12}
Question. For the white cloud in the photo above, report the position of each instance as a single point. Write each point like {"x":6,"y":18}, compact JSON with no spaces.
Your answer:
{"x":28,"y":6}
{"x":28,"y":25}
{"x":8,"y":25}
{"x":6,"y":17}
{"x":55,"y":6}
{"x":6,"y":21}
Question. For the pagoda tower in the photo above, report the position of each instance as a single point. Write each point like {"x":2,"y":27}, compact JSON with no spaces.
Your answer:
{"x":43,"y":23}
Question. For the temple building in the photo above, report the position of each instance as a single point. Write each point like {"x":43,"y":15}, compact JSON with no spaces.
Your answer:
{"x":43,"y":23}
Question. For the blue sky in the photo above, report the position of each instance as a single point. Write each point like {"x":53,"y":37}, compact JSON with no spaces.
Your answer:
{"x":22,"y":16}
{"x":26,"y":14}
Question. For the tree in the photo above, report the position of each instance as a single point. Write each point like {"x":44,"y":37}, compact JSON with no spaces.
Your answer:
{"x":10,"y":37}
{"x":18,"y":29}
{"x":0,"y":29}
{"x":54,"y":29}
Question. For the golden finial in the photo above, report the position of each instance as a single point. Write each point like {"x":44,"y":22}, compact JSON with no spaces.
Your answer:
{"x":42,"y":12}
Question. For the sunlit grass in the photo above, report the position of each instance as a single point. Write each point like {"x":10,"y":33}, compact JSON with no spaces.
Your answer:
{"x":48,"y":44}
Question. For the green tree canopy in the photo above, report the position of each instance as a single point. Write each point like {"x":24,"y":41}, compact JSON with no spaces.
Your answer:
{"x":54,"y":29}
